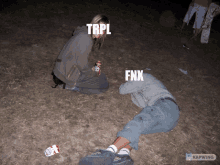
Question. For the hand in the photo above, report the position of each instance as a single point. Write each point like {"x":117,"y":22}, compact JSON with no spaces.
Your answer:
{"x":93,"y":68}
{"x":99,"y":63}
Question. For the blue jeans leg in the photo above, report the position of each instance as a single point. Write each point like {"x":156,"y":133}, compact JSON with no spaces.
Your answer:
{"x":161,"y":117}
{"x":189,"y":14}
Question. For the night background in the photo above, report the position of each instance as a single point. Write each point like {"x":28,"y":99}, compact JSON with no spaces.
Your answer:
{"x":179,"y":8}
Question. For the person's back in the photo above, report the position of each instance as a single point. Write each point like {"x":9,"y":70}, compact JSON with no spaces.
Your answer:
{"x":75,"y":52}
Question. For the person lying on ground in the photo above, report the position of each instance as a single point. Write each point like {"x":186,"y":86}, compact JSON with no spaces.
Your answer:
{"x":160,"y":114}
{"x":199,"y":7}
{"x":72,"y":68}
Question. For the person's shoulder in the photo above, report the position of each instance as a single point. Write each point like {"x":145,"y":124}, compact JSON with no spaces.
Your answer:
{"x":80,"y":30}
{"x":148,"y":76}
{"x":82,"y":36}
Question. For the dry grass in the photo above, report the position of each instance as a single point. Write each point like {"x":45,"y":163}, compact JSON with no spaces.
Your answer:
{"x":34,"y":116}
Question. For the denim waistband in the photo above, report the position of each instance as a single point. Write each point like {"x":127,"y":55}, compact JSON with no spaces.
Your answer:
{"x":168,"y":98}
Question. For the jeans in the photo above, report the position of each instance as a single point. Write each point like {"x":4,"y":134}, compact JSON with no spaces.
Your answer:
{"x":200,"y":13}
{"x":208,"y":22}
{"x":161,"y":117}
{"x":92,"y":85}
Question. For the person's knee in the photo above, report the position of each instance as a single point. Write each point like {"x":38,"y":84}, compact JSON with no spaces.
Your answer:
{"x":171,"y":126}
{"x":143,"y":115}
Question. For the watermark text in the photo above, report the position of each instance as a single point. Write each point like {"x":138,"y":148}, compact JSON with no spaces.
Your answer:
{"x":200,"y":157}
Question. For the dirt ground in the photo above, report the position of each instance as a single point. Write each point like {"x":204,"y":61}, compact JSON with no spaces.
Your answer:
{"x":35,"y":116}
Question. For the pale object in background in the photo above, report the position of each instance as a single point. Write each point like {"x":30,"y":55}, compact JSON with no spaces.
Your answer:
{"x":52,"y":150}
{"x":184,"y":72}
{"x":148,"y":69}
{"x":206,"y":27}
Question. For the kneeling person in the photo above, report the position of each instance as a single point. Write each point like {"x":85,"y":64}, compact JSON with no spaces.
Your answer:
{"x":72,"y":68}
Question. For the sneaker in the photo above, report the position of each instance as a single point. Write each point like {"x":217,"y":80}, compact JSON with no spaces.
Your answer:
{"x":60,"y":86}
{"x":122,"y":160}
{"x":73,"y":88}
{"x":100,"y":157}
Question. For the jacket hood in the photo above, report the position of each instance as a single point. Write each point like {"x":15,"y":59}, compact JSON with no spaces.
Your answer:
{"x":82,"y":29}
